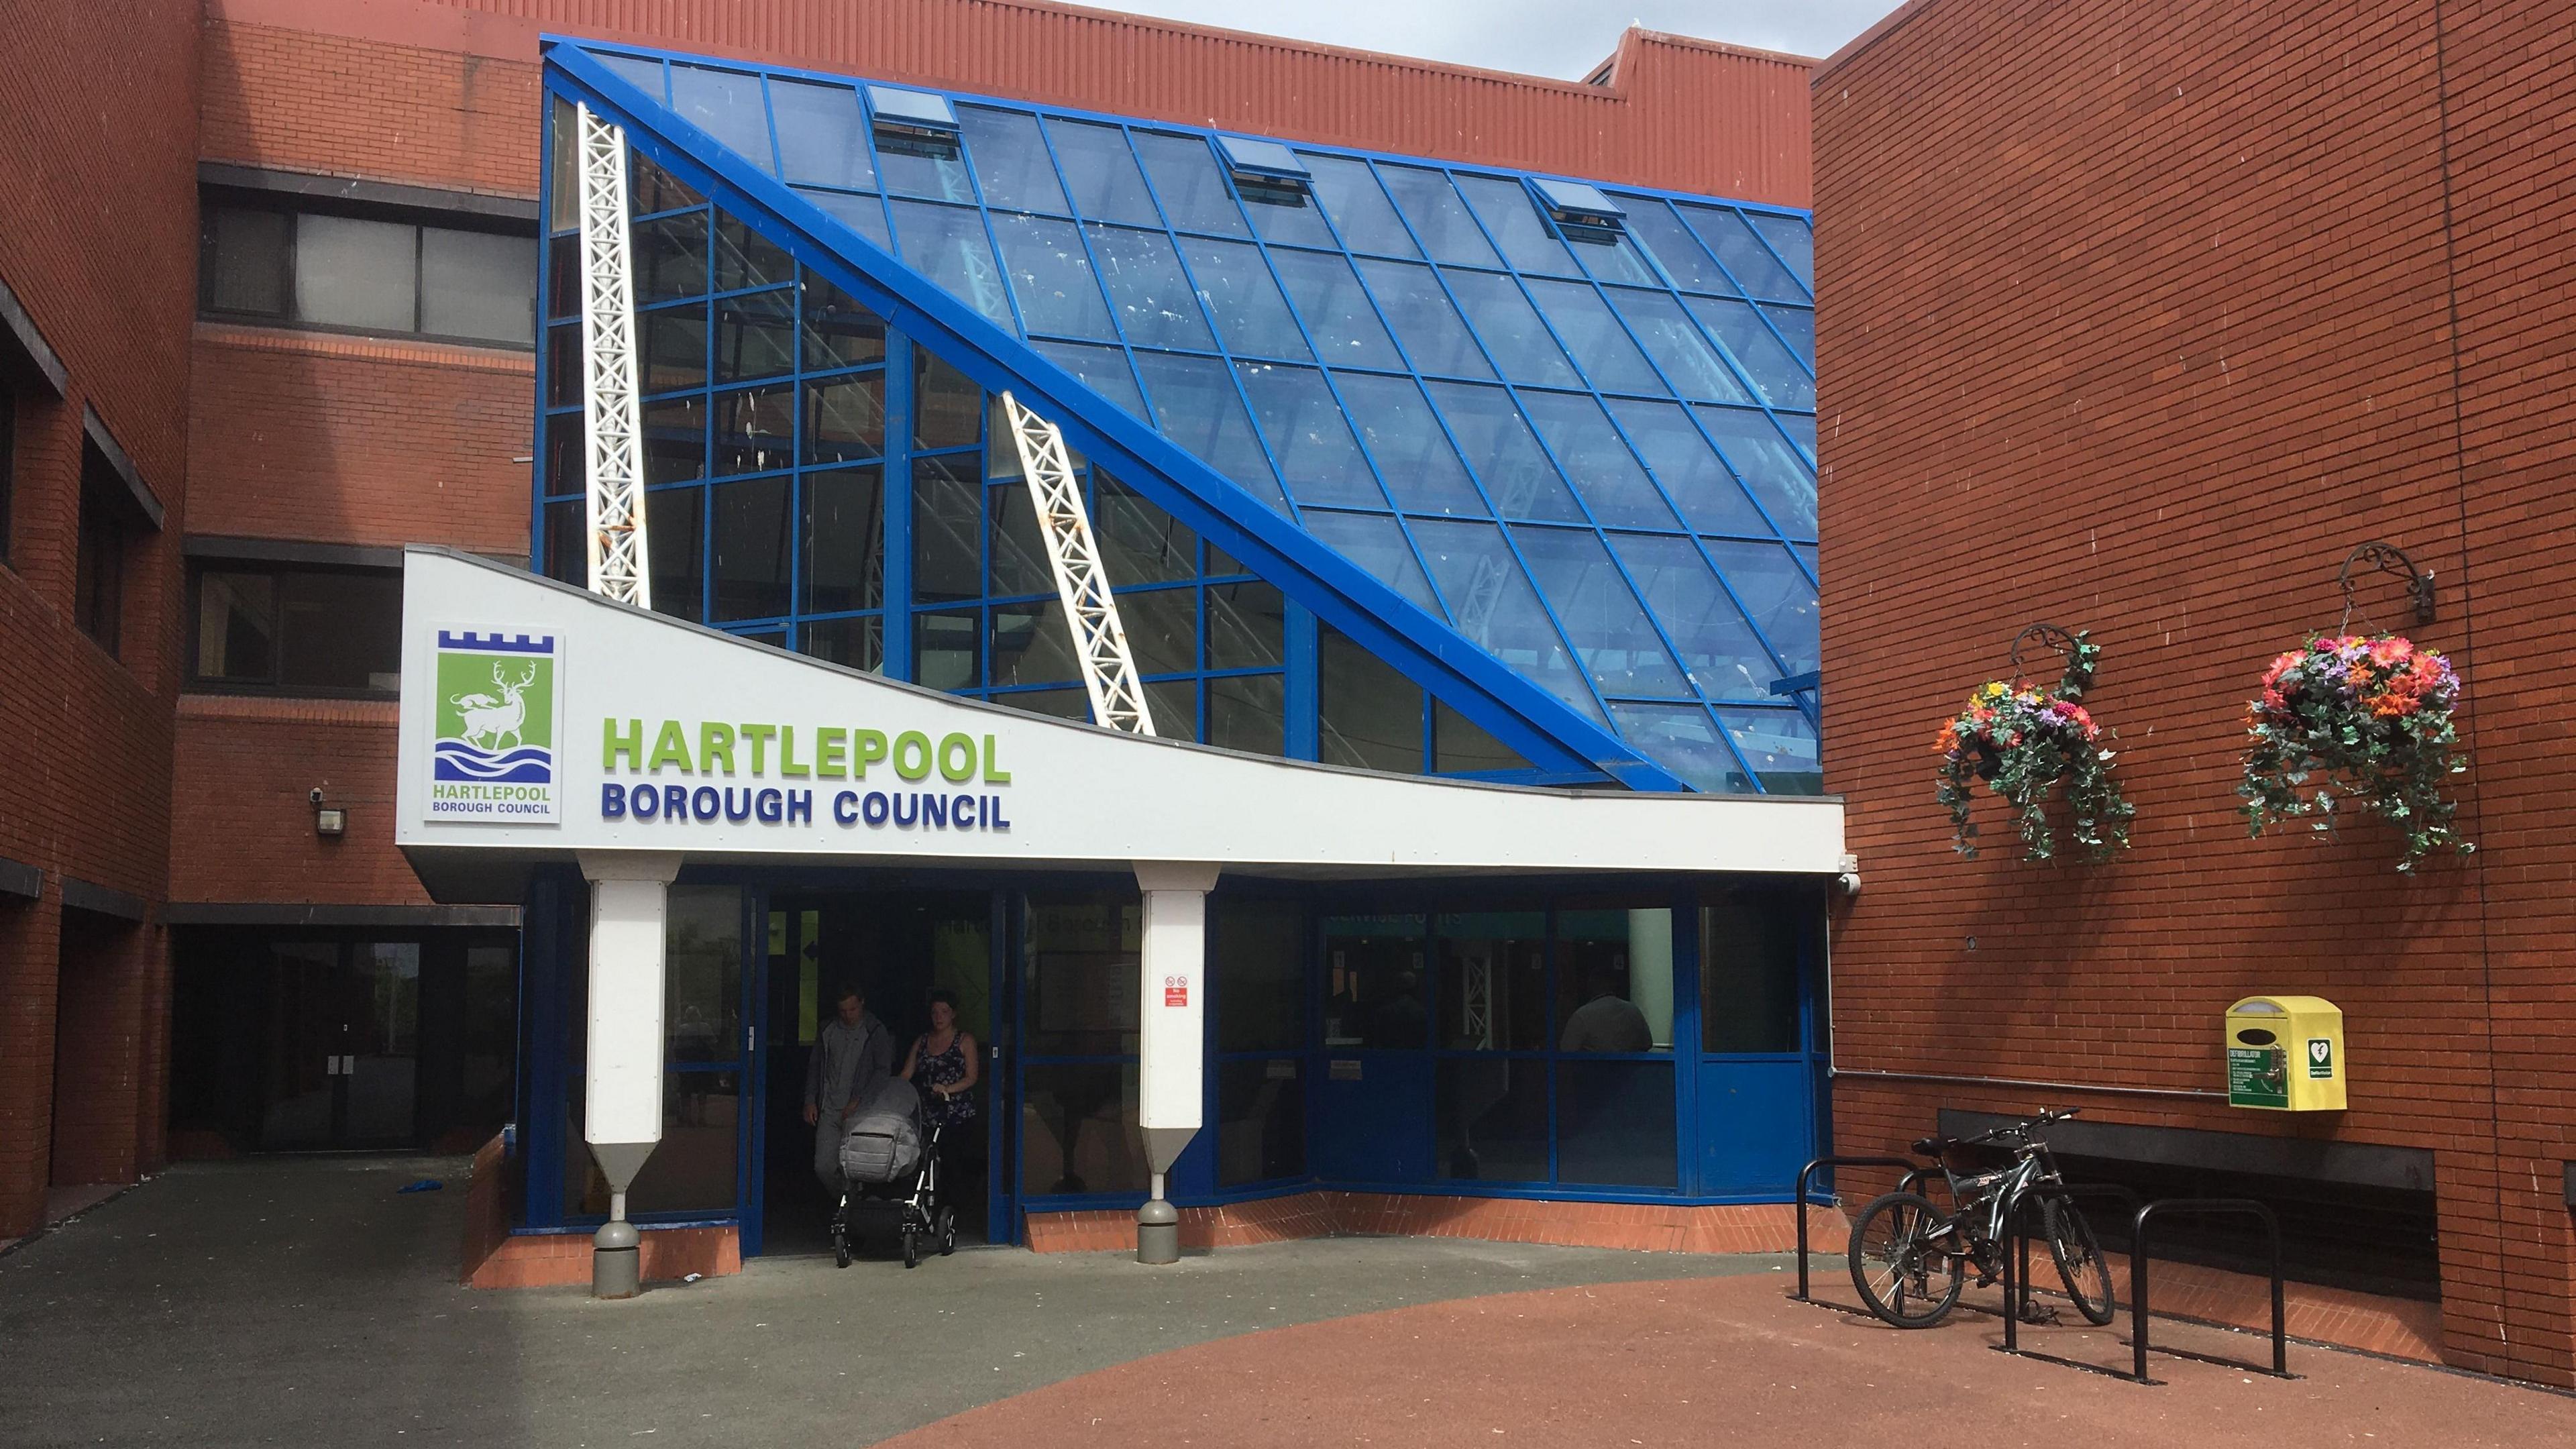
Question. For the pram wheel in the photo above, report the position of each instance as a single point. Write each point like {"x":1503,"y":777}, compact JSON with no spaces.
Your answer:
{"x":911,"y":1247}
{"x":947,"y":1231}
{"x":843,"y":1244}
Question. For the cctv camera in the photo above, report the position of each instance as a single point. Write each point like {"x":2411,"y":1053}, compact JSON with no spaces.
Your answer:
{"x":314,"y":795}
{"x":1847,"y":879}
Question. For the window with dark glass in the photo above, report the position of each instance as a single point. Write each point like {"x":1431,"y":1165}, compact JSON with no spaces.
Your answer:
{"x":1752,"y":940}
{"x":261,"y":626}
{"x":8,"y":463}
{"x":372,"y":273}
{"x":108,"y":522}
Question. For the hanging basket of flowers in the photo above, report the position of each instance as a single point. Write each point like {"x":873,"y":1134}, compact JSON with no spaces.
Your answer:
{"x":2358,"y":719}
{"x":2025,"y":744}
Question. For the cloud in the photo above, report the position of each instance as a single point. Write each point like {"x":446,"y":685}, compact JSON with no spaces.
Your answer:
{"x":1534,"y":37}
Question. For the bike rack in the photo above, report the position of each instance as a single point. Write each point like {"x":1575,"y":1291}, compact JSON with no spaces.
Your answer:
{"x":1915,"y":1173}
{"x":2139,"y":1258}
{"x":2017,"y":1285}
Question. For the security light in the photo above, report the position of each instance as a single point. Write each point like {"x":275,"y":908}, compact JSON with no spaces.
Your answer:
{"x":916,"y":114}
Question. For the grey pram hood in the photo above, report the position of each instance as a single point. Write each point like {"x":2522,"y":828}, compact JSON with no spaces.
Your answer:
{"x":883,"y":1142}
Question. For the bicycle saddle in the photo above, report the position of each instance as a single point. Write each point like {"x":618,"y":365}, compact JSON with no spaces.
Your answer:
{"x":1933,"y":1146}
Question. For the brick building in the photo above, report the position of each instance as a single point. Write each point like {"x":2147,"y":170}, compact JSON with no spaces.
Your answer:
{"x":2137,"y":318}
{"x":317,"y":348}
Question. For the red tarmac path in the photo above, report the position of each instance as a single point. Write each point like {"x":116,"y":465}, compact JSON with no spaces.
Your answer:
{"x":1732,"y":1361}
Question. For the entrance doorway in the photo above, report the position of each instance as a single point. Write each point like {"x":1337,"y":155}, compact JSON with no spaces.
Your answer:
{"x":344,"y":1055}
{"x":897,"y":947}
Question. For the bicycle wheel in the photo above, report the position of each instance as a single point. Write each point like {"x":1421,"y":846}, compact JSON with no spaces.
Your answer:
{"x":1903,"y":1276}
{"x":2080,"y":1264}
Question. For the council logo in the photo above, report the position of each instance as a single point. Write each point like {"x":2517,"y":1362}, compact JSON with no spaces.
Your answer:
{"x":493,"y":749}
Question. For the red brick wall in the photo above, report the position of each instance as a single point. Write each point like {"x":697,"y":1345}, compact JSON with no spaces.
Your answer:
{"x":102,"y":256}
{"x":2135,"y":317}
{"x":247,"y":766}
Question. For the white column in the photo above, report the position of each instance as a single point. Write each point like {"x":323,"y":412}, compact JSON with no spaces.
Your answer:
{"x":622,"y":1087}
{"x":1171,"y":1034}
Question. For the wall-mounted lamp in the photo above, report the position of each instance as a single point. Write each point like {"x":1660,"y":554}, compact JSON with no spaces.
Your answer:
{"x":2388,"y":558}
{"x":329,"y":821}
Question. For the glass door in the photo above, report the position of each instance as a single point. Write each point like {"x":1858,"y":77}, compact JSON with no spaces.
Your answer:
{"x":343,"y":1048}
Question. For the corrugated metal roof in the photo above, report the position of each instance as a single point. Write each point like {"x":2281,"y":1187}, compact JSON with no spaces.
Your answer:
{"x":1682,"y":114}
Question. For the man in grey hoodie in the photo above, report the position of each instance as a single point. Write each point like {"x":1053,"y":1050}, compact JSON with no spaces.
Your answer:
{"x":853,"y":1055}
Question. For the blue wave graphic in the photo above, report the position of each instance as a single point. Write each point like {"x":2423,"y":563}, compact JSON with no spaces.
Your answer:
{"x":526,"y":765}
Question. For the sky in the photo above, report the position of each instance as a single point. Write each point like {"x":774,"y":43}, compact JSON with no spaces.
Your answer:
{"x":1534,"y":37}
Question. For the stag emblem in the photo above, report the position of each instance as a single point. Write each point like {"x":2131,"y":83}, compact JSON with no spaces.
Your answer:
{"x":489,"y":719}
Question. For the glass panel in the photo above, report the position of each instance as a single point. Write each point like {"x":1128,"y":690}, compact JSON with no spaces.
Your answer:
{"x":1614,"y":980}
{"x":1590,"y":451}
{"x":1684,"y":260}
{"x":838,"y":331}
{"x":656,"y":190}
{"x":1414,"y":457}
{"x":1083,"y":949}
{"x":1720,"y":650}
{"x":1493,"y":981}
{"x":844,"y":542}
{"x":675,"y":440}
{"x":1681,"y":739}
{"x":478,"y":284}
{"x":674,"y":521}
{"x":1377,"y":545}
{"x":862,"y":214}
{"x":1374,"y":983}
{"x":1771,"y":469}
{"x":1283,"y":213}
{"x":1162,"y":628}
{"x":1359,"y":209}
{"x":754,"y":428}
{"x":1139,"y":542}
{"x":1776,"y":372}
{"x":1752,"y":264}
{"x":947,"y":408}
{"x":635,"y":70}
{"x":1072,"y":704}
{"x":1511,"y":330}
{"x":1801,"y":428}
{"x":1504,"y":452}
{"x":746,"y":258}
{"x":1175,"y":703}
{"x":1697,"y":480}
{"x":726,"y":105}
{"x":755,"y":336}
{"x":1493,"y":604}
{"x":1193,"y":191}
{"x":822,"y":134}
{"x":675,"y":350}
{"x":1439,"y":218}
{"x":1011,"y":163}
{"x":246,"y":261}
{"x":1797,"y":326}
{"x":1196,"y":406}
{"x":1369,"y":713}
{"x":1599,"y":612}
{"x":352,"y":273}
{"x":1460,"y":746}
{"x":1791,"y":239}
{"x":1689,"y":363}
{"x":1309,"y":438}
{"x":1032,"y":644}
{"x":1614,"y":1124}
{"x":1512,"y":219}
{"x":342,"y":631}
{"x":1078,"y":1129}
{"x":1246,"y":626}
{"x":1781,"y":747}
{"x":751,"y":533}
{"x":1492,"y":1119}
{"x":853,"y":643}
{"x":947,"y":530}
{"x":932,"y":166}
{"x":1147,"y":289}
{"x":1019,"y":551}
{"x":1409,"y":296}
{"x":1338,"y":316}
{"x":1599,"y":344}
{"x":1248,"y":712}
{"x":947,"y":245}
{"x":237,"y":627}
{"x":1238,"y":292}
{"x":565,"y":559}
{"x":1098,"y":166}
{"x":702,"y":975}
{"x":1749,"y":942}
{"x":1610,"y":256}
{"x":948,"y":650}
{"x":670,"y":259}
{"x":384,"y":1077}
{"x":1103,"y":369}
{"x":1260,"y":1121}
{"x":1051,"y":274}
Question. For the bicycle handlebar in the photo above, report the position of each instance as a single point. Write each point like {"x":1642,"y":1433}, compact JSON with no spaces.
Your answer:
{"x":2018,"y":1129}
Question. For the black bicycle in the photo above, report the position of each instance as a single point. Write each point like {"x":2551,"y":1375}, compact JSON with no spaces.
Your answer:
{"x":1909,"y":1259}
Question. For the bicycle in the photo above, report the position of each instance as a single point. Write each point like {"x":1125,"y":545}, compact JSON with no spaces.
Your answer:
{"x":1909,"y":1259}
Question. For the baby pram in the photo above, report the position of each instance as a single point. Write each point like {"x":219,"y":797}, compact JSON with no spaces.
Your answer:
{"x":891,"y":1154}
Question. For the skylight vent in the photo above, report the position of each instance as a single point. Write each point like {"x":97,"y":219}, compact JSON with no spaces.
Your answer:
{"x":1572,"y":203}
{"x":914,"y":115}
{"x":1264,"y":163}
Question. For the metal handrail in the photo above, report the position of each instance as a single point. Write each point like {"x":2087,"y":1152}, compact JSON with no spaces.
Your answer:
{"x":2139,"y":1258}
{"x":1915,"y":1172}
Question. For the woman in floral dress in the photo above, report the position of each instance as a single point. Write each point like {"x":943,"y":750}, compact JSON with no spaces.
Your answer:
{"x":945,"y":1066}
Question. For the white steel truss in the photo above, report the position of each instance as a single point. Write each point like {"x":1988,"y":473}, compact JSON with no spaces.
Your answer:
{"x":1099,"y":640}
{"x":619,"y":565}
